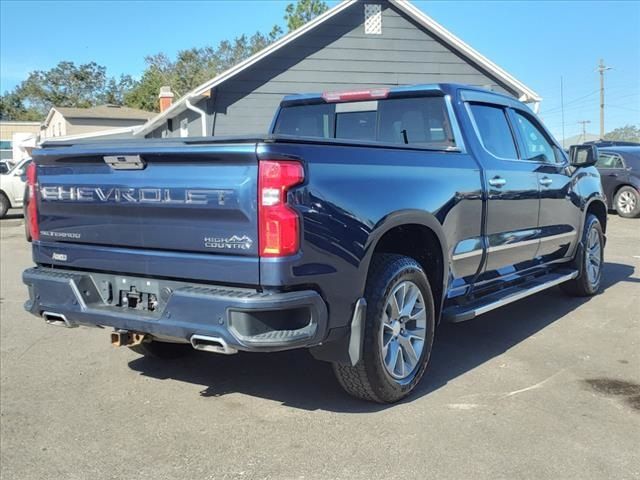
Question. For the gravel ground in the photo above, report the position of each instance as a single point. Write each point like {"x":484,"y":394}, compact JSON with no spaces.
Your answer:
{"x":546,"y":388}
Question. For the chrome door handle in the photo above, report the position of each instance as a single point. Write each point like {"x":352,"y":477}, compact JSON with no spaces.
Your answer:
{"x":497,"y":182}
{"x":545,"y":181}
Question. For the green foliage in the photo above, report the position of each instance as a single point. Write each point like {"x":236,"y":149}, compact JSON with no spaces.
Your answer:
{"x":65,"y":85}
{"x":13,"y":108}
{"x":71,"y":85}
{"x":303,"y":11}
{"x":628,"y":133}
{"x":193,"y":67}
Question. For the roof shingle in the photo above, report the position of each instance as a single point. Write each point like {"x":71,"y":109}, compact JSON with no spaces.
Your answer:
{"x":115,"y":112}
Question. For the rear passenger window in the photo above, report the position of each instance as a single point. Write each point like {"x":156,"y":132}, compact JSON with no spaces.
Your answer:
{"x":421,"y":121}
{"x":494,"y":131}
{"x":609,"y":160}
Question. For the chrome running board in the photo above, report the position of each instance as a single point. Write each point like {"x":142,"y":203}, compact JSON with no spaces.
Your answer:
{"x":504,"y":297}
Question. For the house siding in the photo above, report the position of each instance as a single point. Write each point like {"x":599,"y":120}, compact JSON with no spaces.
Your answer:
{"x":337,"y":55}
{"x":194,"y":126}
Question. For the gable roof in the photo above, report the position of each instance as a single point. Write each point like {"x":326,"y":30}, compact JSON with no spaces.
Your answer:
{"x":405,"y":6}
{"x":108,"y":111}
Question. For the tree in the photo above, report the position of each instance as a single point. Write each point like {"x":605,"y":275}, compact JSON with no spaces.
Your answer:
{"x":116,"y":90}
{"x":13,"y":108}
{"x":303,"y":11}
{"x":86,"y":85}
{"x":628,"y":133}
{"x":193,"y":67}
{"x":65,"y":85}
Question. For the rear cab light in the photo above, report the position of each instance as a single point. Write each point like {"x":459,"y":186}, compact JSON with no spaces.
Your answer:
{"x":279,"y":225}
{"x":32,"y":206}
{"x":355,"y":95}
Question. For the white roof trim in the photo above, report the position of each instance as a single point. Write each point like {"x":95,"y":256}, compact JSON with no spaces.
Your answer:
{"x":527,"y":95}
{"x":203,"y":89}
{"x":99,"y":133}
{"x":52,"y":110}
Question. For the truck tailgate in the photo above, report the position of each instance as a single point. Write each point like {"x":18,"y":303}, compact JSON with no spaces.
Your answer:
{"x":140,"y":205}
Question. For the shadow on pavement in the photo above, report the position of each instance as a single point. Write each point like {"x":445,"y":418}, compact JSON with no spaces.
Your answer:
{"x":13,"y":214}
{"x":296,"y":380}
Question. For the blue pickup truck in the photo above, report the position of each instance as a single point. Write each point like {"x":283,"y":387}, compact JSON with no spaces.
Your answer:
{"x":362,"y":221}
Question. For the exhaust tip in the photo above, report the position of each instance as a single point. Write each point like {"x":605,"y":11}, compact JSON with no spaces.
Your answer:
{"x":211,"y":344}
{"x":57,"y":319}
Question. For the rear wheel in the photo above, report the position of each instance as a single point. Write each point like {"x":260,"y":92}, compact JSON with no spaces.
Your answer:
{"x":4,"y":205}
{"x":399,"y":331}
{"x":163,"y":350}
{"x":590,"y":261}
{"x":627,"y":202}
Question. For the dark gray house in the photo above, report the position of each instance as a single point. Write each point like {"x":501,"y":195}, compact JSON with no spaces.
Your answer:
{"x":357,"y":44}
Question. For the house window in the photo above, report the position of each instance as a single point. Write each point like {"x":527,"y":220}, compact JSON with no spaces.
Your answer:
{"x":372,"y":19}
{"x":184,"y":127}
{"x":6,"y":153}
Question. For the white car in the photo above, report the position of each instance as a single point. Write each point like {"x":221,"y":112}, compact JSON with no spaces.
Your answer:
{"x":12,"y":187}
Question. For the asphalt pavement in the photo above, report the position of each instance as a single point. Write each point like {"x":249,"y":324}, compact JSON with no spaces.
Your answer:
{"x":545,"y":388}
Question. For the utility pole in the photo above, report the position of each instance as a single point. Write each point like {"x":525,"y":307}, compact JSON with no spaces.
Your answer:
{"x":584,"y":129}
{"x":562,"y":107}
{"x":602,"y":68}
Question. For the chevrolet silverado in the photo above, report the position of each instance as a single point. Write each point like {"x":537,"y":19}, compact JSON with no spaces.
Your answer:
{"x":357,"y":225}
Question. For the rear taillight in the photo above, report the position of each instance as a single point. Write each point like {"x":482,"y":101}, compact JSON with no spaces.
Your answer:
{"x":32,"y":206}
{"x":279,"y":231}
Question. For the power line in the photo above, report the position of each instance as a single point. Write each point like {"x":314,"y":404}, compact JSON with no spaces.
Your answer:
{"x":571,"y":102}
{"x":623,"y":107}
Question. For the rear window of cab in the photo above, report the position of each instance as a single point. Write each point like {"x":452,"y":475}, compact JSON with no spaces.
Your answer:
{"x":419,"y":121}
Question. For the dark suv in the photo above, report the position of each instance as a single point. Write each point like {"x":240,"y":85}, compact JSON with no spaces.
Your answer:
{"x":620,"y":172}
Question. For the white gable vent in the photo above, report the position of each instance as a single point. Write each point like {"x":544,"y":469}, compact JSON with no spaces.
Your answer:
{"x":372,"y":19}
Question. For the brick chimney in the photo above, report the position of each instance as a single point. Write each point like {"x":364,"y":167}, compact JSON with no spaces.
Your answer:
{"x":166,"y":98}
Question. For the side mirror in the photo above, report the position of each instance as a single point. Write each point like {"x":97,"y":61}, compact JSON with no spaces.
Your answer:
{"x":583,"y":155}
{"x":19,"y":172}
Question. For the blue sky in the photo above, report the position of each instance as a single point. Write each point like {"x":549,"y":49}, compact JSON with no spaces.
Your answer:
{"x":537,"y":42}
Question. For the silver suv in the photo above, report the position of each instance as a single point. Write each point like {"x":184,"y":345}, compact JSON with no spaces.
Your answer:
{"x":12,"y":187}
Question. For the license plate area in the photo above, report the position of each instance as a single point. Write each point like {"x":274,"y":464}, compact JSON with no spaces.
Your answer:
{"x":136,"y":294}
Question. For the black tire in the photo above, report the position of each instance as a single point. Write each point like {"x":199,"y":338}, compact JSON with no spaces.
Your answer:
{"x":585,"y":285}
{"x":163,"y":350}
{"x":369,"y":379}
{"x":627,"y":202}
{"x":4,"y":205}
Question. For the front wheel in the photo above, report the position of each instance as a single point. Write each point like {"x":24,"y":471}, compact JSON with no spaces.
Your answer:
{"x":589,"y":261}
{"x":627,"y":202}
{"x":4,"y":205}
{"x":399,"y":330}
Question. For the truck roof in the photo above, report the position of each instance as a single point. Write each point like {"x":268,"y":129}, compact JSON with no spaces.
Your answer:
{"x":442,"y":88}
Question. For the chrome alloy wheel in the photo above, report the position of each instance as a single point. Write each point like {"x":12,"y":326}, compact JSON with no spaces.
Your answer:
{"x":403,"y":330}
{"x":626,"y":202}
{"x":594,"y":257}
